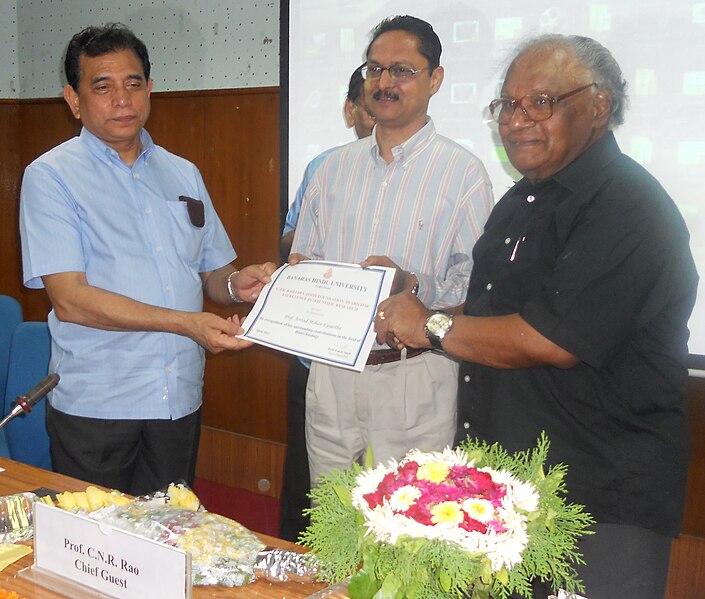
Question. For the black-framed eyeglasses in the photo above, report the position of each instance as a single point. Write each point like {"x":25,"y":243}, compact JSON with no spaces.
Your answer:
{"x":396,"y":72}
{"x":536,"y":107}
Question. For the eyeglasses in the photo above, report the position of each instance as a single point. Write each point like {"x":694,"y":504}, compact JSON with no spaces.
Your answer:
{"x":536,"y":107}
{"x":364,"y":110}
{"x":396,"y":72}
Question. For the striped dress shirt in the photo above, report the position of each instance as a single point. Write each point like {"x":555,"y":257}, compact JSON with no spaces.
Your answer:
{"x":424,"y":210}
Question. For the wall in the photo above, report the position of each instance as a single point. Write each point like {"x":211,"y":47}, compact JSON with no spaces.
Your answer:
{"x":9,"y":71}
{"x":211,"y":44}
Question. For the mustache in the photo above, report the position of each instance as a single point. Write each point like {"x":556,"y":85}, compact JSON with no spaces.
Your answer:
{"x":386,"y":94}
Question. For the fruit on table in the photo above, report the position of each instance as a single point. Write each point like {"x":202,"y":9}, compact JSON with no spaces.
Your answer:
{"x":181,"y":496}
{"x":89,"y":500}
{"x":93,"y":498}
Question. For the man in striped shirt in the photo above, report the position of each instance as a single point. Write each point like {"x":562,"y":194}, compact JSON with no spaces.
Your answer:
{"x":407,"y":198}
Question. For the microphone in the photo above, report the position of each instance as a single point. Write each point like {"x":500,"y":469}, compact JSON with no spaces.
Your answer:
{"x":25,"y":403}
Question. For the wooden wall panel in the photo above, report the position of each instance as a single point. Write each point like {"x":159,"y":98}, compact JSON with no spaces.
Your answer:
{"x":241,"y":462}
{"x":42,"y":125}
{"x":686,"y":576}
{"x":10,"y":271}
{"x":694,"y":519}
{"x":177,"y":124}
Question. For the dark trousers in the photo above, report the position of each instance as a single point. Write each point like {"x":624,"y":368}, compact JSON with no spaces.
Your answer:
{"x":621,"y":562}
{"x":296,"y":483}
{"x":133,"y":456}
{"x":625,"y":561}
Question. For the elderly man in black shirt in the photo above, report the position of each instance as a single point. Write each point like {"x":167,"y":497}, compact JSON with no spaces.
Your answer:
{"x":575,"y":322}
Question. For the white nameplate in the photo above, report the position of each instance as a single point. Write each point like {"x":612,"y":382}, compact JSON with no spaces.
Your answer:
{"x":106,"y":559}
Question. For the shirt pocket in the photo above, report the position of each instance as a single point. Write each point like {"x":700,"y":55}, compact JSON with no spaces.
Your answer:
{"x":187,"y":239}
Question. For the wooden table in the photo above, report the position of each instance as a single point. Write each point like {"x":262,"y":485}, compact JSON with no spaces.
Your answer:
{"x":18,"y":478}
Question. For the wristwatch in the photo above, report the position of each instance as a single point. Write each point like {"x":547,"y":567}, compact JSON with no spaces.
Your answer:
{"x":437,"y":327}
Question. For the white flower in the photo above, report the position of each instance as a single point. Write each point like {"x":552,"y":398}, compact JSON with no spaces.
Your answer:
{"x":404,"y":497}
{"x":478,"y":509}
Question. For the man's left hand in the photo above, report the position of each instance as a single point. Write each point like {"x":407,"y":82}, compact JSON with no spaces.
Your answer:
{"x":248,"y":283}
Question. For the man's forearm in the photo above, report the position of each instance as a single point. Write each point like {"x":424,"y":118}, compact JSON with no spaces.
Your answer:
{"x":74,"y":300}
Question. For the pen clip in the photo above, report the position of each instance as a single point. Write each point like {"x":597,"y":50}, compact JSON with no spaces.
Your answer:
{"x":516,"y":247}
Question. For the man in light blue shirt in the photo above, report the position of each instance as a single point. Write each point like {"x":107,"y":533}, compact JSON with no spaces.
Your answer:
{"x":296,"y":484}
{"x":357,"y":118}
{"x":125,"y":239}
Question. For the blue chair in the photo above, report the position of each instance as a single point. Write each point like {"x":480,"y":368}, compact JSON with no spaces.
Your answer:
{"x":27,"y":436}
{"x":10,"y":317}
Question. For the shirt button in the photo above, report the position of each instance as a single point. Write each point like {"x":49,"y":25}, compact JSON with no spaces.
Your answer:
{"x":530,"y":199}
{"x":148,"y":211}
{"x":507,"y":241}
{"x":168,"y":369}
{"x":158,"y":248}
{"x":466,"y":378}
{"x":168,"y":287}
{"x":488,"y":286}
{"x":466,"y":425}
{"x":384,"y":184}
{"x":135,"y":176}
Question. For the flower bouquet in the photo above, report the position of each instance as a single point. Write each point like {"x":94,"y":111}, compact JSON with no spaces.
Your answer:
{"x":468,"y":522}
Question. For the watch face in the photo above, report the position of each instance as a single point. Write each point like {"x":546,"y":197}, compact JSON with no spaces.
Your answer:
{"x":438,"y":323}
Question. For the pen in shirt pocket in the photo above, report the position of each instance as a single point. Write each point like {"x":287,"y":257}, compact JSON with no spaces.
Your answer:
{"x":516,"y":247}
{"x":196,"y":212}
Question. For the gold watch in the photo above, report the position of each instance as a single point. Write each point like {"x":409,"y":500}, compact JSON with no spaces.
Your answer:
{"x":437,"y":327}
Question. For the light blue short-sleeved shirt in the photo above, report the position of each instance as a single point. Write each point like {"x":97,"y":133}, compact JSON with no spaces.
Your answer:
{"x":292,"y":216}
{"x":83,"y":209}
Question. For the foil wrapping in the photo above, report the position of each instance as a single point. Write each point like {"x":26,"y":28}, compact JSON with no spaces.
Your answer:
{"x":281,"y":565}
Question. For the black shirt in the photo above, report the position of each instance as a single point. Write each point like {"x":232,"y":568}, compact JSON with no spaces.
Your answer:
{"x":597,"y":260}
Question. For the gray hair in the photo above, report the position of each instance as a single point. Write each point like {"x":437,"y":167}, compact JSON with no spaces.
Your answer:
{"x":596,"y":58}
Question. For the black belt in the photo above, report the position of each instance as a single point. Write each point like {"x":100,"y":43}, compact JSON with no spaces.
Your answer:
{"x":384,"y":356}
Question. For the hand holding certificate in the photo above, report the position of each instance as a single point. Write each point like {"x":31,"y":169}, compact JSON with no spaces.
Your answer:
{"x":320,"y":310}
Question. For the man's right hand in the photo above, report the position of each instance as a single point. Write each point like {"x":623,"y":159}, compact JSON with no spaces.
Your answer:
{"x":214,"y":333}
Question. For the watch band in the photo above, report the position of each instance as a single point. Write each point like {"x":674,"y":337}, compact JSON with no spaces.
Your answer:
{"x":436,"y":341}
{"x":231,"y":292}
{"x":415,"y":289}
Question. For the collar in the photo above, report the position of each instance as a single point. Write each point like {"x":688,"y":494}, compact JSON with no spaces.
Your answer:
{"x":582,"y":172}
{"x":585,"y":169}
{"x":410,"y":148}
{"x":104,"y":152}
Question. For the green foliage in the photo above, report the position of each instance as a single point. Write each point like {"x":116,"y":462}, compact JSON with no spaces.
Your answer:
{"x":334,"y":534}
{"x":433,"y":569}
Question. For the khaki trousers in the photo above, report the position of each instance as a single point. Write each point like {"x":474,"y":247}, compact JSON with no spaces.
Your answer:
{"x":391,"y":407}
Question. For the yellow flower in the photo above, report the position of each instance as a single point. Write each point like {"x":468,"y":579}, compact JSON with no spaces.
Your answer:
{"x":447,"y":512}
{"x":436,"y":472}
{"x":403,"y":498}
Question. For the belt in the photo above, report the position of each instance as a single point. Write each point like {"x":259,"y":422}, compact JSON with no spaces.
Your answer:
{"x":384,"y":356}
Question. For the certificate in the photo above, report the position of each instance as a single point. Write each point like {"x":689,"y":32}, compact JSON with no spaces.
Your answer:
{"x":319,"y":310}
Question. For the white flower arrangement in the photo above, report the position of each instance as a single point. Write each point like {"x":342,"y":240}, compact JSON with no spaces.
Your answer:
{"x":466,"y":522}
